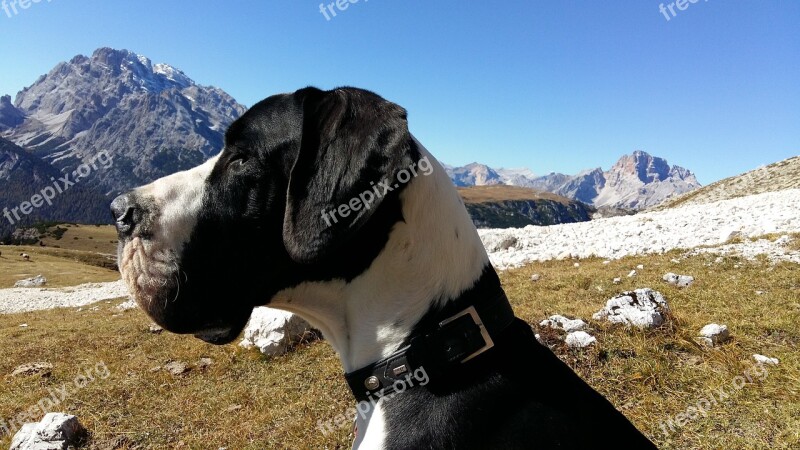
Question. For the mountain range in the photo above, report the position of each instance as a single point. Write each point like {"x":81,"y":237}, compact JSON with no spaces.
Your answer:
{"x":637,"y":181}
{"x":150,"y":119}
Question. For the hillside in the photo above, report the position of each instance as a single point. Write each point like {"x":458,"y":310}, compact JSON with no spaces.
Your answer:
{"x":24,"y":175}
{"x":774,"y":177}
{"x":500,"y":206}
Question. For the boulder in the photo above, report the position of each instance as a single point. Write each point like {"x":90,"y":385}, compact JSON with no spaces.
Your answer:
{"x":560,"y":322}
{"x":678,"y":280}
{"x":36,"y":281}
{"x":273,"y":331}
{"x":579,"y":339}
{"x":536,"y":277}
{"x":56,"y":431}
{"x":643,"y":308}
{"x":713,"y":334}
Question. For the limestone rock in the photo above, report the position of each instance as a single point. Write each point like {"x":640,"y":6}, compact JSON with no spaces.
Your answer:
{"x":36,"y":281}
{"x":678,"y":280}
{"x":56,"y":431}
{"x":273,"y":331}
{"x":560,"y":322}
{"x":713,"y":334}
{"x":579,"y":339}
{"x":761,"y":359}
{"x":643,"y":308}
{"x":43,"y":369}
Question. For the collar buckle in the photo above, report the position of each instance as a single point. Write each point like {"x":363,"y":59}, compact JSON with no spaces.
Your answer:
{"x":488,"y":343}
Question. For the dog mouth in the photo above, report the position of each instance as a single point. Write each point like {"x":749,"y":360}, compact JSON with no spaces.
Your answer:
{"x":174,"y":300}
{"x":151,"y":273}
{"x":218,"y":336}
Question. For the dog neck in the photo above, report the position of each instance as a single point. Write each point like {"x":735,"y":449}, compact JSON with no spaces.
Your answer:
{"x":430,"y":258}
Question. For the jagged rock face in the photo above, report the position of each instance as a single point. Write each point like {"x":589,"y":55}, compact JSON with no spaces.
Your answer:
{"x":584,"y":187}
{"x":474,"y":175}
{"x":151,"y":118}
{"x":10,"y":116}
{"x":639,"y":181}
{"x":641,"y":166}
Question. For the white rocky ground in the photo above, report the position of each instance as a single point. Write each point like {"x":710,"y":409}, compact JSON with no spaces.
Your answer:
{"x":708,"y":225}
{"x":16,"y":300}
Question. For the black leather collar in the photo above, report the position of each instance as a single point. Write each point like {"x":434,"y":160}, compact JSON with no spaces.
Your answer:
{"x":454,"y":340}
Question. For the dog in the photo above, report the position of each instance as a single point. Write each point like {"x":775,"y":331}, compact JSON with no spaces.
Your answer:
{"x":329,"y":208}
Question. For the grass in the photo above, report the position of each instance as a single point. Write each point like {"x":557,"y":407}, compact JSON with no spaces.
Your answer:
{"x":72,"y":254}
{"x":86,"y":238}
{"x":246,"y":401}
{"x":60,"y":267}
{"x":495,"y":193}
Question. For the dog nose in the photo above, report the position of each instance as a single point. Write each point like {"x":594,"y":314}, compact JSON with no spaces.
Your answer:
{"x":124,"y":212}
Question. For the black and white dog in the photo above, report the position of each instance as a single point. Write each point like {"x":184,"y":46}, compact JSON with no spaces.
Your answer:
{"x":329,"y":208}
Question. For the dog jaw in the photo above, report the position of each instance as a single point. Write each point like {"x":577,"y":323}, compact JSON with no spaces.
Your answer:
{"x":150,"y":272}
{"x":150,"y":259}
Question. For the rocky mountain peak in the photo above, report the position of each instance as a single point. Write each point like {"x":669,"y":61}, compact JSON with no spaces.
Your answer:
{"x":643,"y":166}
{"x":10,"y":116}
{"x":152,"y":119}
{"x":474,"y":174}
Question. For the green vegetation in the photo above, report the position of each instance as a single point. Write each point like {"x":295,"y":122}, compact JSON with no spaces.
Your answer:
{"x":510,"y":206}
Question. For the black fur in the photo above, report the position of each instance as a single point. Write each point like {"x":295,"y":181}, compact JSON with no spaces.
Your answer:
{"x":517,"y":396}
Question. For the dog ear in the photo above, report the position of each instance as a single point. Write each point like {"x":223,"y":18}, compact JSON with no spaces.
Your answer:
{"x":352,"y":140}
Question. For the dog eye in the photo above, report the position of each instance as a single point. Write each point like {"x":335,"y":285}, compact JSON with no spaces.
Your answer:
{"x":237,"y":161}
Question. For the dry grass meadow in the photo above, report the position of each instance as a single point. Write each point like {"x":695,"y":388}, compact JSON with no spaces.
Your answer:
{"x":494,"y":193}
{"x":246,"y":401}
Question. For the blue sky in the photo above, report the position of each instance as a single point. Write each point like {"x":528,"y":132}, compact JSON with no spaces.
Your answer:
{"x":552,"y":85}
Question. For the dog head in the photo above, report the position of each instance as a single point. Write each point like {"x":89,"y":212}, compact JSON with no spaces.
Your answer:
{"x":300,"y":182}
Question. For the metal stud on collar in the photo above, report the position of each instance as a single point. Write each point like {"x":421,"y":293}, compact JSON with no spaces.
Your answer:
{"x":372,"y":383}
